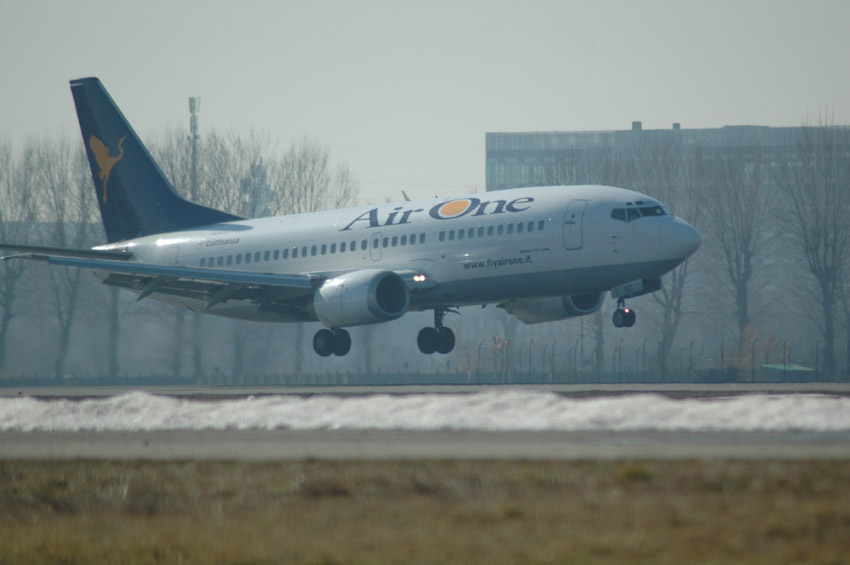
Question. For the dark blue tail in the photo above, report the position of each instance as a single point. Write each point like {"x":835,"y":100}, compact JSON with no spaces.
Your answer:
{"x":134,"y":196}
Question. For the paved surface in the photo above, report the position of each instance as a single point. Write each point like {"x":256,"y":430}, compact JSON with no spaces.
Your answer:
{"x":671,"y":389}
{"x":265,"y":445}
{"x":262,"y":445}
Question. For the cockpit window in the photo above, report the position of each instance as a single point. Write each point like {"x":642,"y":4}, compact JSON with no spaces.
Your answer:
{"x":631,"y":213}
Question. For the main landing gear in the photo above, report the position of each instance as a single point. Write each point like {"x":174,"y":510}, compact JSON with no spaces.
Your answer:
{"x":623,"y":317}
{"x":439,"y":339}
{"x":332,"y":342}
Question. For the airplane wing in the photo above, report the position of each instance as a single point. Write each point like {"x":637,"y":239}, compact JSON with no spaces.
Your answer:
{"x":26,"y":251}
{"x":213,"y":286}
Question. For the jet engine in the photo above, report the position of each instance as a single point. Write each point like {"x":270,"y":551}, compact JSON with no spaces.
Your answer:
{"x":361,"y":297}
{"x":551,"y":308}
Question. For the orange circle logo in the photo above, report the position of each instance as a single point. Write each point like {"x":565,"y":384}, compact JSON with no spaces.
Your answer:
{"x":454,"y":208}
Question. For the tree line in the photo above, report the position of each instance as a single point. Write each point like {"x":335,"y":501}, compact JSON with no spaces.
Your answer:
{"x":772,"y":269}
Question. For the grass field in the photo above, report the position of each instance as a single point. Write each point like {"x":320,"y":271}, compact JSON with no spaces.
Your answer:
{"x":425,"y":512}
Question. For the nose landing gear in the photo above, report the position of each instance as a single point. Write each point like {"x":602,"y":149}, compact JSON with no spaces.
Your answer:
{"x":438,"y":339}
{"x":623,"y":317}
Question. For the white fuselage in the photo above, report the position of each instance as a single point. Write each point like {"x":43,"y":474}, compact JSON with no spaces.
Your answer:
{"x":477,"y":249}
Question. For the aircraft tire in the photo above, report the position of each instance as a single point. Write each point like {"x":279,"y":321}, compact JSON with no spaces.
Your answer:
{"x":342,"y":342}
{"x":445,"y":340}
{"x":428,"y":340}
{"x":618,"y":318}
{"x":324,"y":342}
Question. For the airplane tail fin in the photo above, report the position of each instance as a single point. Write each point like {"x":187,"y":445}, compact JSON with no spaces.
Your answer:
{"x":134,"y":196}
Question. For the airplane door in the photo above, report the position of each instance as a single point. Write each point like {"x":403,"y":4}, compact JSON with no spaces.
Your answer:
{"x":375,"y":246}
{"x":172,"y":255}
{"x":573,"y":219}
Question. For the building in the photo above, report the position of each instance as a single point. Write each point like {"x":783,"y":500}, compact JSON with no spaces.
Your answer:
{"x":541,"y":158}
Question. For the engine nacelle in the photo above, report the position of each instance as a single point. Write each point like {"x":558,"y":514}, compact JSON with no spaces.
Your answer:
{"x":551,"y":308}
{"x":361,"y":297}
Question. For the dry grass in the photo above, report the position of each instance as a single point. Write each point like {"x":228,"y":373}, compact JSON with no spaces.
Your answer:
{"x":425,"y":512}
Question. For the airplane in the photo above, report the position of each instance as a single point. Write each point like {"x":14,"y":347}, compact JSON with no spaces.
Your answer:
{"x":540,"y":253}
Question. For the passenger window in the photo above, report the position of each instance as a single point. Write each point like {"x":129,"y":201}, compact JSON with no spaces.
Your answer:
{"x":471,"y":233}
{"x":500,"y":230}
{"x":239,"y":259}
{"x":304,"y":251}
{"x":395,"y":241}
{"x":353,"y":246}
{"x":257,"y":255}
{"x":364,"y":245}
{"x":247,"y":258}
{"x":461,"y":234}
{"x":313,"y":250}
{"x":442,"y":236}
{"x":294,"y":253}
{"x":342,"y":247}
{"x":386,"y":242}
{"x":451,"y":235}
{"x":203,"y":262}
{"x":220,"y":260}
{"x":421,"y":238}
{"x":229,"y":260}
{"x":333,"y":248}
{"x":404,"y":240}
{"x":540,"y":225}
{"x":324,"y":249}
{"x":519,"y":227}
{"x":277,"y":254}
{"x":480,"y":231}
{"x":510,"y":229}
{"x":376,"y":243}
{"x":490,"y":231}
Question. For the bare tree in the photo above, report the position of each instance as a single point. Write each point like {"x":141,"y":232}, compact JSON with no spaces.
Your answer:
{"x":69,"y":208}
{"x":17,"y":215}
{"x":305,"y":181}
{"x":815,"y":177}
{"x":738,"y":200}
{"x":667,"y":169}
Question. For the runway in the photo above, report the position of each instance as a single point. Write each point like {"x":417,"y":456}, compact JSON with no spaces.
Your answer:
{"x":280,"y":445}
{"x":448,"y":444}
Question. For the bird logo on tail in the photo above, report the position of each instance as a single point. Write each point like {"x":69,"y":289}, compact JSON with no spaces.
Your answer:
{"x":104,"y":160}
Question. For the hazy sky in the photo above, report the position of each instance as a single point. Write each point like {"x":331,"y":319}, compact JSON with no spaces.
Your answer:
{"x":404,"y":91}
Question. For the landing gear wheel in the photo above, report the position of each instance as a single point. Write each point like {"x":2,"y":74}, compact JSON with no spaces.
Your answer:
{"x":428,"y":340}
{"x":624,"y":318}
{"x":446,"y":340}
{"x":342,"y":342}
{"x":324,"y":342}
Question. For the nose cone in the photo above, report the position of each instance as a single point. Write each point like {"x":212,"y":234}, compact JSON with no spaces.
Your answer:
{"x":685,"y":239}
